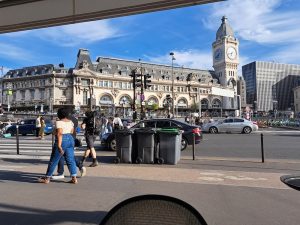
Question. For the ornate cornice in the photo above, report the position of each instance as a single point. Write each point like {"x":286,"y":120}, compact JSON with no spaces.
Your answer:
{"x":85,"y":72}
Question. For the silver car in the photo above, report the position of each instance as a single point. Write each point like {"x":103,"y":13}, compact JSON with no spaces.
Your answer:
{"x":230,"y":125}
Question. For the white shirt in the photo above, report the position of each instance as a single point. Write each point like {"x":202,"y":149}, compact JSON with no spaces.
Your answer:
{"x":117,"y":120}
{"x":38,"y":122}
{"x":65,"y":126}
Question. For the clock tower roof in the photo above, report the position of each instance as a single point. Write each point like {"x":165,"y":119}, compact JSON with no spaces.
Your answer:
{"x":224,"y":30}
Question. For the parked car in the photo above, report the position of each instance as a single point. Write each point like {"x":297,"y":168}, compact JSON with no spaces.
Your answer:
{"x":187,"y":135}
{"x":230,"y":125}
{"x":28,"y":127}
{"x":127,"y":122}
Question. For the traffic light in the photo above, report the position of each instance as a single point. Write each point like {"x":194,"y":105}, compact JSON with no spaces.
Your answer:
{"x":133,"y":77}
{"x":136,"y":79}
{"x":147,"y":81}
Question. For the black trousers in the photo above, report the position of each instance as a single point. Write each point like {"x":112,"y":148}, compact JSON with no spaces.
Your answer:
{"x":37,"y":131}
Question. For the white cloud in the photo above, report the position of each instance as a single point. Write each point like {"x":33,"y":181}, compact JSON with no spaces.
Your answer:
{"x":74,"y":34}
{"x":190,"y":59}
{"x":257,"y":20}
{"x":77,"y":34}
{"x":9,"y":51}
{"x":4,"y":71}
{"x":288,"y":54}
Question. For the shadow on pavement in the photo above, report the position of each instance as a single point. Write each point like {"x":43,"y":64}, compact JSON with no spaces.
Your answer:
{"x":12,"y":214}
{"x":28,"y":161}
{"x":106,"y":159}
{"x":19,"y":176}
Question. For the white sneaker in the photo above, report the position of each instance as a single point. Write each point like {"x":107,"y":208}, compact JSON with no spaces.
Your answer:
{"x":83,"y":171}
{"x":58,"y":177}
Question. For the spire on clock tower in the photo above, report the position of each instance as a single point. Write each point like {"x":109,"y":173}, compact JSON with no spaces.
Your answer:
{"x":224,"y":30}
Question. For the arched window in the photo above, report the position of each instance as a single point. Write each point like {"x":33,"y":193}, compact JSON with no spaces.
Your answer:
{"x":182,"y":103}
{"x":216,"y":104}
{"x":204,"y":104}
{"x":106,"y":100}
{"x":125,"y":100}
{"x":152,"y":100}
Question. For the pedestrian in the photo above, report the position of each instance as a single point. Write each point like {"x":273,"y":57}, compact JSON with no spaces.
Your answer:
{"x":37,"y":125}
{"x":61,"y":164}
{"x":192,"y":120}
{"x":110,"y":125}
{"x":117,"y":123}
{"x":103,"y":125}
{"x":63,"y":146}
{"x":197,"y":120}
{"x":42,"y":128}
{"x":90,"y":137}
{"x":187,"y":119}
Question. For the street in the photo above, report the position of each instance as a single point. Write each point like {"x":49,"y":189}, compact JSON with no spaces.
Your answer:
{"x":226,"y":183}
{"x":279,"y":145}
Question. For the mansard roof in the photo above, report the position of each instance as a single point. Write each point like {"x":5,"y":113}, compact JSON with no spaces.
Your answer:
{"x":158,"y":71}
{"x":224,"y":30}
{"x":83,"y":58}
{"x":34,"y":71}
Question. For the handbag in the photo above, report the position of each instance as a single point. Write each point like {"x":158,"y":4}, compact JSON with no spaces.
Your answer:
{"x":78,"y":142}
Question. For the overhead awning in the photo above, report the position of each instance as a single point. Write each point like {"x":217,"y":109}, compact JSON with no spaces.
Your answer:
{"x":16,"y":15}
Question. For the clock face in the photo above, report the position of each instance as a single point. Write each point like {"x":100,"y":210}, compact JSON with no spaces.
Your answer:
{"x":231,"y":53}
{"x":218,"y":54}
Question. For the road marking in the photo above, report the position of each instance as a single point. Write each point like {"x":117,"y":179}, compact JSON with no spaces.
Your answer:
{"x":10,"y":168}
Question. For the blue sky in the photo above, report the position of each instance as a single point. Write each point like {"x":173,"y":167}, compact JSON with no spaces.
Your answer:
{"x":268,"y":30}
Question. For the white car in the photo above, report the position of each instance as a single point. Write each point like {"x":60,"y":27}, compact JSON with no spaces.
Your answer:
{"x":230,"y":125}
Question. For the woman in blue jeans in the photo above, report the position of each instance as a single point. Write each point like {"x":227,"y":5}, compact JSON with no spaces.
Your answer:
{"x":63,"y":146}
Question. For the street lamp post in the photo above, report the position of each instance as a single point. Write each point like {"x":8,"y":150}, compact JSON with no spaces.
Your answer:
{"x":275,"y":108}
{"x":172,"y":58}
{"x":123,"y":102}
{"x":240,"y":105}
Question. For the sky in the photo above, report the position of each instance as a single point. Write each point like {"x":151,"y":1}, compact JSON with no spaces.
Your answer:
{"x":268,"y":30}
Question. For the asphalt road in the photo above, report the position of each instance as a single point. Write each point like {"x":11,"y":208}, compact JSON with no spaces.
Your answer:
{"x":279,"y":145}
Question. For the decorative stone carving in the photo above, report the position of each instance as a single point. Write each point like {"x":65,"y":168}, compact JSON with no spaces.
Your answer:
{"x":160,"y":94}
{"x":114,"y":92}
{"x":85,"y":64}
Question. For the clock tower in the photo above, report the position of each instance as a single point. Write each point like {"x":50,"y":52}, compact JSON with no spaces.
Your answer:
{"x":225,"y":62}
{"x":226,"y":55}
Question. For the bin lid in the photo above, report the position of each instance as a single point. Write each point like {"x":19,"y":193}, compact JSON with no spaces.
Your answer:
{"x":145,"y":130}
{"x":169,"y":131}
{"x":124,"y":131}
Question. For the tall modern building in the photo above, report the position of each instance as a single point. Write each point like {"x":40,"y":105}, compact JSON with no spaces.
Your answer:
{"x":269,"y":85}
{"x":106,"y":83}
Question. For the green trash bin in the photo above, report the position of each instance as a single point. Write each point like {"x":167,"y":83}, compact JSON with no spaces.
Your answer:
{"x":170,"y":145}
{"x":145,"y":149}
{"x":124,"y":145}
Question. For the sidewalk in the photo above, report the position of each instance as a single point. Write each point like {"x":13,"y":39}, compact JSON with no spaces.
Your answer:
{"x":203,"y":183}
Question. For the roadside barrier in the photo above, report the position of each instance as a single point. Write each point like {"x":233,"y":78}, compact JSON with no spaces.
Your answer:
{"x":262,"y":147}
{"x":17,"y":139}
{"x":194,"y":146}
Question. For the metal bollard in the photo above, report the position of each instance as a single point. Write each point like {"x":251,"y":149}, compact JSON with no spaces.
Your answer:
{"x":17,"y":139}
{"x":262,"y":147}
{"x":193,"y":146}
